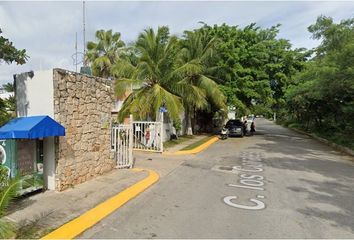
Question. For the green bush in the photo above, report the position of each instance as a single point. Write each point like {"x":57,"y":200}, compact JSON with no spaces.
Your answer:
{"x":177,"y":125}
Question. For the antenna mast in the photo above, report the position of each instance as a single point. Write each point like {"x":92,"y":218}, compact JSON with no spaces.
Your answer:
{"x":76,"y":52}
{"x":84,"y":32}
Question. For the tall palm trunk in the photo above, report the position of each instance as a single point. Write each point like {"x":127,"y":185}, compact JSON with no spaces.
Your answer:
{"x":188,"y":116}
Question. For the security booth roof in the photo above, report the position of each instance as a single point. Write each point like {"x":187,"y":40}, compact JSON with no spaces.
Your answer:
{"x":31,"y":128}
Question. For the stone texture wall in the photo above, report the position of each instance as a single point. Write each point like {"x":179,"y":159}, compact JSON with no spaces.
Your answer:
{"x":82,"y":104}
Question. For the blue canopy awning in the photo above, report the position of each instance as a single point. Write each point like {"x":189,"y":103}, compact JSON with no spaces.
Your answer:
{"x":31,"y":128}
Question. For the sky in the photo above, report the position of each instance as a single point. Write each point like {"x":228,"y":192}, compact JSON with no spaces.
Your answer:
{"x":47,"y":30}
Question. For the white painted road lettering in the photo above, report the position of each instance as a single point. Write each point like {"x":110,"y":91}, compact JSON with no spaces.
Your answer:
{"x":252,"y":183}
{"x":259,"y":204}
{"x":247,"y":176}
{"x":250,"y":164}
{"x":240,"y":186}
{"x":255,"y":169}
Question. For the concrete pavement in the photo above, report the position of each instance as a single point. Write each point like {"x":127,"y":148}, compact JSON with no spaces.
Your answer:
{"x":276,"y":184}
{"x":85,"y":221}
{"x":51,"y":209}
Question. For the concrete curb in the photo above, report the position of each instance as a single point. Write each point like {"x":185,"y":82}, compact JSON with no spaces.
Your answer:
{"x":96,"y":214}
{"x":325,"y":141}
{"x":194,"y":150}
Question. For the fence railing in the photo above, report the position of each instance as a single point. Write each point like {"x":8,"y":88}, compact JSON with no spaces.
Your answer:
{"x":147,"y":136}
{"x":122,"y":145}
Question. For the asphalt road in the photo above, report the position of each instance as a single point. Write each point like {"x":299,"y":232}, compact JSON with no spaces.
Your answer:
{"x":276,"y":184}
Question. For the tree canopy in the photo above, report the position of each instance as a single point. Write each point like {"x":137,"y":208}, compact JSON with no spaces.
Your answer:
{"x":151,"y":77}
{"x":249,"y":68}
{"x":104,"y":53}
{"x":253,"y":66}
{"x":9,"y":53}
{"x":166,"y":72}
{"x":322,"y":97}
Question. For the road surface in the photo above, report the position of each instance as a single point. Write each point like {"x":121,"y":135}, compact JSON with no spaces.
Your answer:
{"x":276,"y":184}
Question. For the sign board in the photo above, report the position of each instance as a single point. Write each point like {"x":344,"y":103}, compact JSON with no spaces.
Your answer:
{"x":163,"y":109}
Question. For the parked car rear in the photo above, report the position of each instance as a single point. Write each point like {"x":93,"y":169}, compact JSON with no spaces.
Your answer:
{"x":235,"y":128}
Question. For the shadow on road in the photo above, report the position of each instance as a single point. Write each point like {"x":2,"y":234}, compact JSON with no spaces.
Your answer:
{"x":333,"y":194}
{"x":329,"y":196}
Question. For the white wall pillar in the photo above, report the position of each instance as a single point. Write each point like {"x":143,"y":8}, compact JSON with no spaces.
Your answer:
{"x":49,"y":163}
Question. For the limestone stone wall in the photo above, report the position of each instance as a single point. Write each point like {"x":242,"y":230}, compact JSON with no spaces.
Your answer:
{"x":82,"y":104}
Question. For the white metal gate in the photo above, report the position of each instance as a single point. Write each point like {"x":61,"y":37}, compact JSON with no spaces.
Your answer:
{"x":122,"y":145}
{"x":147,"y":136}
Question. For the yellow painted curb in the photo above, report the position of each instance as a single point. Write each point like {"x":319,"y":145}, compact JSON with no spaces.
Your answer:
{"x":194,"y":150}
{"x":96,"y":214}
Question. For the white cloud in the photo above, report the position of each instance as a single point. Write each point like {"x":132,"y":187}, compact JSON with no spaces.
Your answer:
{"x":47,"y":29}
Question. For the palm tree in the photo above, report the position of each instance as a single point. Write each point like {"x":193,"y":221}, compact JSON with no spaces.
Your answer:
{"x":103,"y":54}
{"x":196,"y":68}
{"x":167,"y":73}
{"x":151,"y":76}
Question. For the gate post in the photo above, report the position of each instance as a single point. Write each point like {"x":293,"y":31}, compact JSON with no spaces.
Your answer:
{"x":131,"y":160}
{"x":161,"y":132}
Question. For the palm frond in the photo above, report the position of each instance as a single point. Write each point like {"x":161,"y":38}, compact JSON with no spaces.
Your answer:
{"x":212,"y":90}
{"x":123,"y":69}
{"x":190,"y":68}
{"x":193,"y":95}
{"x":162,"y":97}
{"x":8,"y":193}
{"x":122,"y":84}
{"x":7,"y":229}
{"x":103,"y":53}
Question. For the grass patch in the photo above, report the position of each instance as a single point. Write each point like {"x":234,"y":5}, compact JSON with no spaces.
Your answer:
{"x":198,"y":143}
{"x":174,"y":142}
{"x":295,"y":125}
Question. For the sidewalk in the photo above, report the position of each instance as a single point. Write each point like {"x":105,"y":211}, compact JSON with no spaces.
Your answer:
{"x":51,"y":209}
{"x":162,"y":164}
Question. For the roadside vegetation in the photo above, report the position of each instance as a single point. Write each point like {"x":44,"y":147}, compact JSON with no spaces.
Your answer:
{"x":202,"y":73}
{"x":211,"y":69}
{"x":321,"y":98}
{"x":9,"y":54}
{"x":8,"y":191}
{"x":28,"y":229}
{"x":8,"y":105}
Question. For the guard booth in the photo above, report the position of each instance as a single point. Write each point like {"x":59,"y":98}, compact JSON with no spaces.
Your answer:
{"x":22,"y":144}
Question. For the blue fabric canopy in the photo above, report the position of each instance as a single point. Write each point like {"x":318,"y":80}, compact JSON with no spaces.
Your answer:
{"x":31,"y":128}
